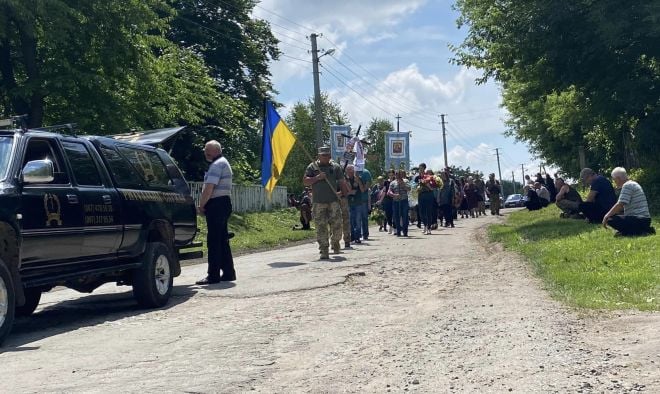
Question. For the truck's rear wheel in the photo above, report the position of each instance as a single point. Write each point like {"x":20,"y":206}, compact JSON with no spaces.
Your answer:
{"x":32,"y":298}
{"x":152,"y":283}
{"x":7,"y":301}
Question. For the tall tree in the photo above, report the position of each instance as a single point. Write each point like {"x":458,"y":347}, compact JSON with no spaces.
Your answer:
{"x":301,"y":122}
{"x":578,"y":73}
{"x":376,"y":136}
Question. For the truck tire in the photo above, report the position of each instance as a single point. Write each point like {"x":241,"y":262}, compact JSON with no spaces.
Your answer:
{"x":32,"y":298}
{"x":152,"y":283}
{"x":7,"y":302}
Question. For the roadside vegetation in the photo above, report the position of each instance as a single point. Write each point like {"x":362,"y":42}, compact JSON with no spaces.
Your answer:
{"x":583,"y":264}
{"x":259,"y":230}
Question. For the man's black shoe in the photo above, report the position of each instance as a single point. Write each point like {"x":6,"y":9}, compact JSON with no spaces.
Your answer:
{"x":207,"y":281}
{"x":228,"y":278}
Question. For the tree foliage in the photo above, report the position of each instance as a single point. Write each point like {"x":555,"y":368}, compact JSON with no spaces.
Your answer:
{"x":301,"y":122}
{"x":376,"y":136}
{"x":574,"y":74}
{"x":111,"y":66}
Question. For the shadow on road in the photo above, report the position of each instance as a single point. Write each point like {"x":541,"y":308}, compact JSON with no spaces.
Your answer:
{"x":285,"y":265}
{"x":88,"y":311}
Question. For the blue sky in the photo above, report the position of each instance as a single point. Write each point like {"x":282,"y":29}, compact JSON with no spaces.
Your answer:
{"x":392,"y":57}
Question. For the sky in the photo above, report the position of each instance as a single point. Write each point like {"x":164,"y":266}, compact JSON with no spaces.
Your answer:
{"x":393,"y":58}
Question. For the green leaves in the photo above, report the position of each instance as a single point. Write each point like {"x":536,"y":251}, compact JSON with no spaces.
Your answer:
{"x":579,"y":73}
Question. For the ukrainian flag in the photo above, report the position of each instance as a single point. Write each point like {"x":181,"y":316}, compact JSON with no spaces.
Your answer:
{"x":277,"y":143}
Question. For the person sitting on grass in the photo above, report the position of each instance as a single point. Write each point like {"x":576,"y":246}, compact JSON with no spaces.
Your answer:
{"x":533,"y":202}
{"x":568,"y":199}
{"x":636,"y":219}
{"x":543,"y":193}
{"x":601,"y":197}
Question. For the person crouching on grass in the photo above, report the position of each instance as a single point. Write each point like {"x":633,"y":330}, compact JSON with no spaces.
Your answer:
{"x":636,"y":219}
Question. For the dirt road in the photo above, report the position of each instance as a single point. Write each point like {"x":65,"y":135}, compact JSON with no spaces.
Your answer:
{"x":440,"y":313}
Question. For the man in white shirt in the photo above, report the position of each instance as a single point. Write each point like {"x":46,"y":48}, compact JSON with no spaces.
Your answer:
{"x":543,"y":193}
{"x":636,"y":219}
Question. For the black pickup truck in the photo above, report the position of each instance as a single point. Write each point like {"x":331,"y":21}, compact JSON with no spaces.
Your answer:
{"x":81,"y":211}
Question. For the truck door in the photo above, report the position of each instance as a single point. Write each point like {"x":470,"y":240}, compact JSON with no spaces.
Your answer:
{"x":52,"y":214}
{"x":100,"y":202}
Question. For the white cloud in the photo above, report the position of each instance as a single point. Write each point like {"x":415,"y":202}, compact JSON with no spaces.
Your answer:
{"x":480,"y":157}
{"x":346,"y":17}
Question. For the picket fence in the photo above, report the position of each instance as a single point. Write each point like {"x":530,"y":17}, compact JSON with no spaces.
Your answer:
{"x":248,"y":198}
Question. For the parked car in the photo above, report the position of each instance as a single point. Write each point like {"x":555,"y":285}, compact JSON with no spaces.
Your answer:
{"x":81,"y":211}
{"x":514,"y":200}
{"x":487,"y":202}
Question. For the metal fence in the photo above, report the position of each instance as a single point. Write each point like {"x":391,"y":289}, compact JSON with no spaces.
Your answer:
{"x":248,"y":198}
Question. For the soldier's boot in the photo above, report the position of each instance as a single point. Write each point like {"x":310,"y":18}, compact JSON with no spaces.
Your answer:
{"x":336,"y":248}
{"x":324,"y":255}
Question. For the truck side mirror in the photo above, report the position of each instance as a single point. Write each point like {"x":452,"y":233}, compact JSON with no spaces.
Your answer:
{"x":38,"y":171}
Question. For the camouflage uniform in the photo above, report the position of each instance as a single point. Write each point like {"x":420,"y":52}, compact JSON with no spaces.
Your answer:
{"x":493,"y":189}
{"x":327,"y":217}
{"x":326,"y":206}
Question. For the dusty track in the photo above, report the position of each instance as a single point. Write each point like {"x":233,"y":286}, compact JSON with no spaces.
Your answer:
{"x":439,"y":313}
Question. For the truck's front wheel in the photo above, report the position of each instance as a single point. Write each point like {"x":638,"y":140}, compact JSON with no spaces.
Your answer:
{"x":7,"y":301}
{"x":152,"y":283}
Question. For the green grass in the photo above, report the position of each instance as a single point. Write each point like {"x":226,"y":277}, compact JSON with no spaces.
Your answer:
{"x":583,"y":264}
{"x":260,"y":230}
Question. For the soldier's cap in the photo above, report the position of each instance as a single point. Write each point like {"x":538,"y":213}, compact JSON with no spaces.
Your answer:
{"x":324,"y":150}
{"x":492,"y":175}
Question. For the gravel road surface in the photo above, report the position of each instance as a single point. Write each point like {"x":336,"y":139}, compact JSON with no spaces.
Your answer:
{"x":447,"y":312}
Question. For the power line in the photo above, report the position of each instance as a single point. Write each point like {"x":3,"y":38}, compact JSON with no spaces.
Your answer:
{"x":294,"y":46}
{"x":355,"y":91}
{"x":295,"y":58}
{"x":284,"y":18}
{"x":391,"y":93}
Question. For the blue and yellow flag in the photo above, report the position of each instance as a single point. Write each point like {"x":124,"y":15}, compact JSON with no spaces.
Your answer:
{"x":277,"y":143}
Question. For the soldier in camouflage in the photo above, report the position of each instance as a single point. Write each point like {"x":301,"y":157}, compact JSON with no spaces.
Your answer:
{"x":326,"y":177}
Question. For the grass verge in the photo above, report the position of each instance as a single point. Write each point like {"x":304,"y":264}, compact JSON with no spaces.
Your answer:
{"x":260,"y":230}
{"x":583,"y":264}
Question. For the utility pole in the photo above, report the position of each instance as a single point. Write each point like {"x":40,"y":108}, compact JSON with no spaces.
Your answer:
{"x":444,"y":139}
{"x":317,"y":92}
{"x":499,"y":169}
{"x":398,"y":117}
{"x":513,"y":180}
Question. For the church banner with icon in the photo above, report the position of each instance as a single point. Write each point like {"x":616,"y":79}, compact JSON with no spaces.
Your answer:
{"x":338,"y":141}
{"x":397,"y":150}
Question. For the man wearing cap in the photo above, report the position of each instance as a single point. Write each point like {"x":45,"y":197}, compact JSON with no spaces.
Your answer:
{"x":493,"y":191}
{"x":601,"y":196}
{"x":326,"y":177}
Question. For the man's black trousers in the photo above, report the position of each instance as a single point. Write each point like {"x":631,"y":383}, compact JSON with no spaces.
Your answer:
{"x":217,"y":212}
{"x":630,"y":225}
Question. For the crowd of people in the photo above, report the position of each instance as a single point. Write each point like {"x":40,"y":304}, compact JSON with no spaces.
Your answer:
{"x":628,"y":213}
{"x":340,"y":200}
{"x":344,"y":198}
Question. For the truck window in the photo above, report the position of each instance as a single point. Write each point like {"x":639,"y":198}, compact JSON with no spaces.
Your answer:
{"x":123,"y":173}
{"x":42,"y":149}
{"x":149,"y":166}
{"x":6,"y":144}
{"x":84,"y":169}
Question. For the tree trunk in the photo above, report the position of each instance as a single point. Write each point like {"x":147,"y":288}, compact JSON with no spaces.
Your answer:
{"x":28,"y":39}
{"x":19,"y":106}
